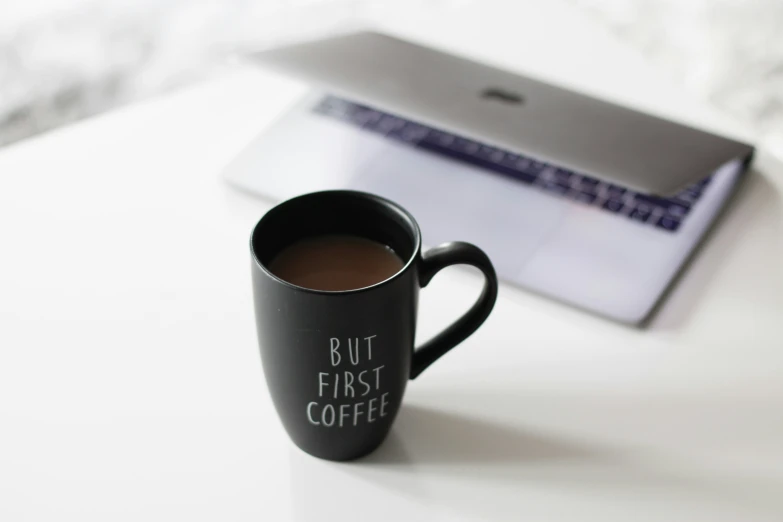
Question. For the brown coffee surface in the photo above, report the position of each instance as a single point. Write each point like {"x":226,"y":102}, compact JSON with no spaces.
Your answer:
{"x":335,"y":262}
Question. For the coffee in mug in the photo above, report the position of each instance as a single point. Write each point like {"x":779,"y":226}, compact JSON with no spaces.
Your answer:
{"x":336,"y":262}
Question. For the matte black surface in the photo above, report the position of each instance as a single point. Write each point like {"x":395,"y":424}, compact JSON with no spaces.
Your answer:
{"x":349,"y":352}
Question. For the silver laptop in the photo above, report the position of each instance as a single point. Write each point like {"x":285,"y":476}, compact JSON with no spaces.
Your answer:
{"x":572,"y":197}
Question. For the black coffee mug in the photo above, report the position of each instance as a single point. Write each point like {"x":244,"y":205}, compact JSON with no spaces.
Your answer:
{"x":337,"y":362}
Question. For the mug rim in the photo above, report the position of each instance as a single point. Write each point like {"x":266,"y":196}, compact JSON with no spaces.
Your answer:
{"x":378,"y":200}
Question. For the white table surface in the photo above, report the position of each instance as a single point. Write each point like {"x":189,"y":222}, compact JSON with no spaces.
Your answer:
{"x":131,"y":386}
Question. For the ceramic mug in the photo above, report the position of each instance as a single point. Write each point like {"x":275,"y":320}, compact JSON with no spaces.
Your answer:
{"x":337,"y":362}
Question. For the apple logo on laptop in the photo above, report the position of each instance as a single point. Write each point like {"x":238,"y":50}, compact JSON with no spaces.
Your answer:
{"x":497,"y":94}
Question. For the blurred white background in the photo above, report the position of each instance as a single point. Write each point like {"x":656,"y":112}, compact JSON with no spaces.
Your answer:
{"x":63,"y":60}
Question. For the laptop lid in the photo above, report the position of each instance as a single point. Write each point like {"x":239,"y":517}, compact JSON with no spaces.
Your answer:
{"x":527,"y":116}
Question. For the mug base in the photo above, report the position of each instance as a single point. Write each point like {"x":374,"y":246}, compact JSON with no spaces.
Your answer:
{"x":345,"y":456}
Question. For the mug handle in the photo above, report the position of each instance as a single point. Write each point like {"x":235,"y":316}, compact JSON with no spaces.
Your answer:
{"x":432,"y":262}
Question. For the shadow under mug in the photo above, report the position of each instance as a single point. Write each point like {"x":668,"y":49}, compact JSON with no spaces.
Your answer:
{"x":337,"y":362}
